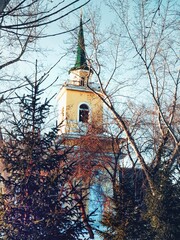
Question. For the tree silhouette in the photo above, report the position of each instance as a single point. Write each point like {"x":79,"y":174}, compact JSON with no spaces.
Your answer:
{"x":38,"y":202}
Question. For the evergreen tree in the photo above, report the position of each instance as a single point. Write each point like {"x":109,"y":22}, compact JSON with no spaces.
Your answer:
{"x":38,"y":201}
{"x":163,"y":208}
{"x":124,"y":220}
{"x":154,"y":217}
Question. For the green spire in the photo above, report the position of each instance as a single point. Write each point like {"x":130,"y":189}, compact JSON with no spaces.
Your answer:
{"x":81,"y":55}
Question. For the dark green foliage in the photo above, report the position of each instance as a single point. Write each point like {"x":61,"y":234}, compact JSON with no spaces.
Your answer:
{"x":163,"y":209}
{"x":153,"y":217}
{"x":124,"y":221}
{"x":38,"y":201}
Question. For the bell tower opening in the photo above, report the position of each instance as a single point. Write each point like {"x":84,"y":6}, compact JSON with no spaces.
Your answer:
{"x":83,"y":113}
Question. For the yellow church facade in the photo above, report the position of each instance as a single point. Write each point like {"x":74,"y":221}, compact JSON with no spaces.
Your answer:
{"x":79,"y":106}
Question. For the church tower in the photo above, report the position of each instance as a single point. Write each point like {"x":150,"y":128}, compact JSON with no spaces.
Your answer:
{"x":81,"y":112}
{"x":79,"y":106}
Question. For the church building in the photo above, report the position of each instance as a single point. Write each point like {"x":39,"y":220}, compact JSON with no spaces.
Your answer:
{"x":81,"y":124}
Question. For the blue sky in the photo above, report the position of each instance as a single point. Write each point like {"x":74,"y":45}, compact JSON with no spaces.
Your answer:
{"x":49,"y":50}
{"x":54,"y":48}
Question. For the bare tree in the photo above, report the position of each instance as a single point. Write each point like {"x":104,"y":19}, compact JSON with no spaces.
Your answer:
{"x":22,"y":22}
{"x":149,"y":41}
{"x":142,"y":56}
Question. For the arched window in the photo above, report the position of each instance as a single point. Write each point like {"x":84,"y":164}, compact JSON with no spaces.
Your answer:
{"x":83,"y":113}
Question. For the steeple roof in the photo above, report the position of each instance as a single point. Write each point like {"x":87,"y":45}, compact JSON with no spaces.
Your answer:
{"x":81,"y":62}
